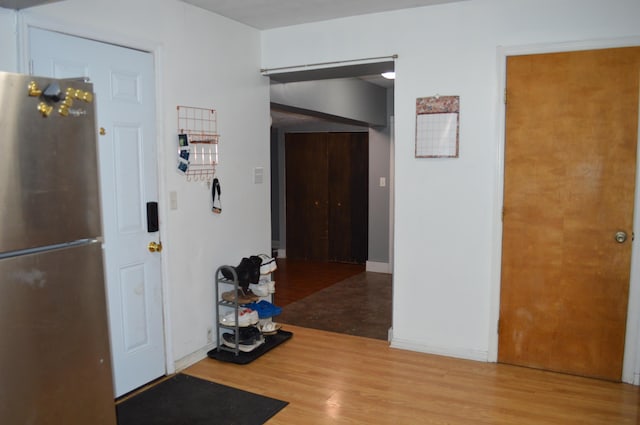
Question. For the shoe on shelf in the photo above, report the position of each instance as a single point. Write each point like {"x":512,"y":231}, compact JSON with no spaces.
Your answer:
{"x":229,"y":341}
{"x":265,"y":309}
{"x":243,"y":296}
{"x":246,"y":317}
{"x":268,"y":264}
{"x":264,"y":279}
{"x":248,"y":271}
{"x":267,"y":327}
{"x":248,"y":335}
{"x":255,"y":266}
{"x":261,"y":289}
{"x":248,"y":339}
{"x":227,"y":272}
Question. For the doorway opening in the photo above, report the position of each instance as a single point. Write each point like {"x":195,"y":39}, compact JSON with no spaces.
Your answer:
{"x":310,"y":284}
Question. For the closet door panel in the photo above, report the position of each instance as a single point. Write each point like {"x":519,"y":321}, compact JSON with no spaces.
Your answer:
{"x":339,"y":183}
{"x":359,"y":196}
{"x":306,"y":194}
{"x":348,"y":197}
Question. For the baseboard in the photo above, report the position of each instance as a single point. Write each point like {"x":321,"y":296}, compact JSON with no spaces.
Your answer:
{"x":373,"y":266}
{"x":459,"y":353}
{"x":193,"y":358}
{"x":282,"y":253}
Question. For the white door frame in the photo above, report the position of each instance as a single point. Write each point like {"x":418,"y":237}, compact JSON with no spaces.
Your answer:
{"x":25,"y":21}
{"x":631,"y":364}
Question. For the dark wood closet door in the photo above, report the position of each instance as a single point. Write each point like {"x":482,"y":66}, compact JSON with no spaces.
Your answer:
{"x":306,"y":192}
{"x":348,"y":196}
{"x":339,"y":185}
{"x":327,"y":196}
{"x":360,"y":197}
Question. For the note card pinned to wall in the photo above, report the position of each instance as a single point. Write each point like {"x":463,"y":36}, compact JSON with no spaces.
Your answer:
{"x":437,"y":126}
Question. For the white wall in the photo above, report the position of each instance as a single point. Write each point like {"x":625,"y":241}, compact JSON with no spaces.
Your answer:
{"x":446,"y":244}
{"x":208,"y":61}
{"x":349,"y":98}
{"x":378,"y":252}
{"x":7,"y":40}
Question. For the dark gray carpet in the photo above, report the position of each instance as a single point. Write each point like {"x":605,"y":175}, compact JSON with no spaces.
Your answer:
{"x":359,"y":305}
{"x":186,"y":400}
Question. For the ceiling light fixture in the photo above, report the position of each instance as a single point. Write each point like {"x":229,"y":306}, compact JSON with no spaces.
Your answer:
{"x":391,"y":75}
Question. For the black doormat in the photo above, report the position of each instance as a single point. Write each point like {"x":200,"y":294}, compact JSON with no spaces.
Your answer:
{"x":186,"y":400}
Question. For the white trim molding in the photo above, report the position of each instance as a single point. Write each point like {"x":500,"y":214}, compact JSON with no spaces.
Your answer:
{"x":376,"y":267}
{"x":459,"y":353}
{"x":193,"y":358}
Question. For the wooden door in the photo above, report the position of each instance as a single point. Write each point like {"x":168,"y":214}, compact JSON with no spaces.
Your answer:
{"x":570,"y":160}
{"x":339,"y":184}
{"x":348,"y":197}
{"x":306,"y":192}
{"x":327,"y":196}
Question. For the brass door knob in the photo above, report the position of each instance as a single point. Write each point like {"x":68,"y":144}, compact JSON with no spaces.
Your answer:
{"x":155,"y":246}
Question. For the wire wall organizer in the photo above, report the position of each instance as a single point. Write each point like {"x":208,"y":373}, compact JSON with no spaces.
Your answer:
{"x":197,"y":142}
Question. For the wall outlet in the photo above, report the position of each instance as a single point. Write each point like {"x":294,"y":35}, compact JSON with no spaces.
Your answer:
{"x":209,"y":335}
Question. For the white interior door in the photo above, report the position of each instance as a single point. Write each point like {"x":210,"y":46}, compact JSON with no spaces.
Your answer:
{"x":124,"y":85}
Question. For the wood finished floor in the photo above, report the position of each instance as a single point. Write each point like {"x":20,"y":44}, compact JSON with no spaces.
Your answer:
{"x":297,"y":279}
{"x":331,"y":378}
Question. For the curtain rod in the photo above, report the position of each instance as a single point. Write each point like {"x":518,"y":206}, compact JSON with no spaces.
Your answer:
{"x":266,"y":71}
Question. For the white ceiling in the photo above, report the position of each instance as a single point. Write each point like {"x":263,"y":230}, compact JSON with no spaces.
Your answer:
{"x":267,"y":14}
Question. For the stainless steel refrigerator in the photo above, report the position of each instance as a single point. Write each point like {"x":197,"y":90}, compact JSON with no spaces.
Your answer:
{"x":55,"y":365}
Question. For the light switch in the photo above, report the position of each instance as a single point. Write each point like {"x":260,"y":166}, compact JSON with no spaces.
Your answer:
{"x":173,"y":200}
{"x":258,"y":175}
{"x":383,"y":181}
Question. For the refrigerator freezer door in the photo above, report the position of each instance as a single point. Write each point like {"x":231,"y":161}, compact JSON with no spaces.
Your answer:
{"x":55,"y":365}
{"x":48,"y":165}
